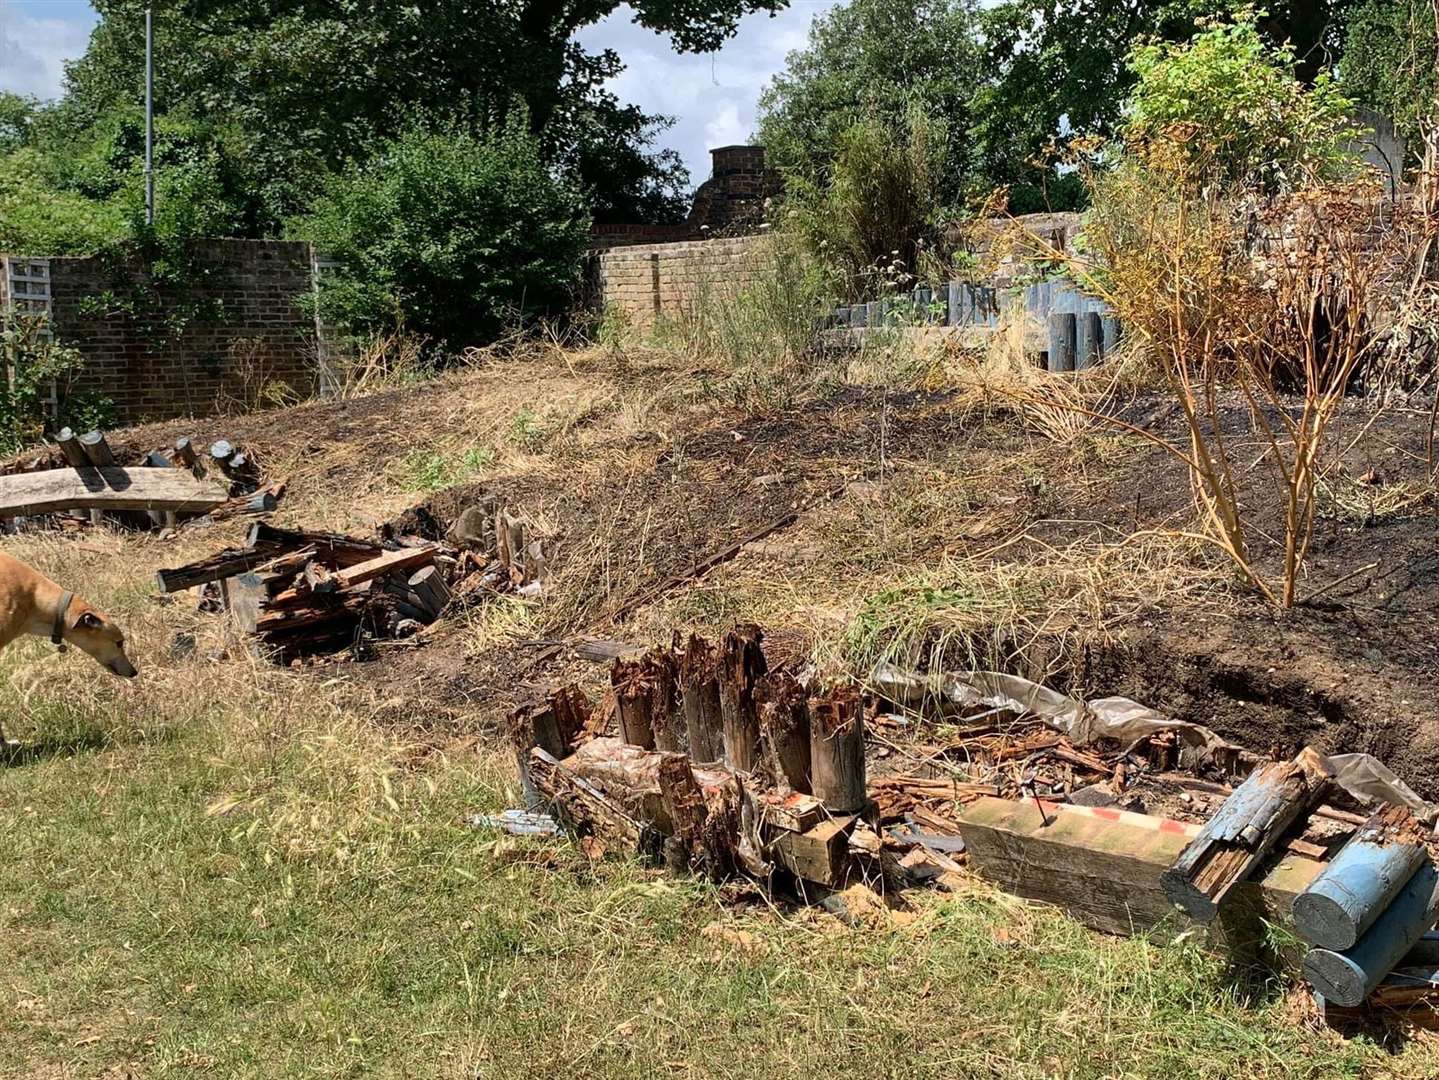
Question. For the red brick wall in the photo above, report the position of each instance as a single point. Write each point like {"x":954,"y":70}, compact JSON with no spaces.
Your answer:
{"x":253,"y":339}
{"x":669,"y":280}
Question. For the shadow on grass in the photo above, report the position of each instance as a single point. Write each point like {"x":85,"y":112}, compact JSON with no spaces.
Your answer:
{"x":69,"y":744}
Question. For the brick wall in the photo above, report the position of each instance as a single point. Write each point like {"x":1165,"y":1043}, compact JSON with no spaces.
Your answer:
{"x":668,"y":279}
{"x":253,"y":335}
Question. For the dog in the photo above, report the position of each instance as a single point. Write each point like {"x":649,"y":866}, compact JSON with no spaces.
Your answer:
{"x":30,"y":603}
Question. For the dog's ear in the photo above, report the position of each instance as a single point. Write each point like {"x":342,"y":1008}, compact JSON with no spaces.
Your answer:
{"x":90,"y":621}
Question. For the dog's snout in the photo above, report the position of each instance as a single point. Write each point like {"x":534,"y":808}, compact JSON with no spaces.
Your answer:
{"x":125,"y":669}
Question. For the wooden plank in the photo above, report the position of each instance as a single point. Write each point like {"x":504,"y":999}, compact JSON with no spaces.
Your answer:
{"x":108,"y":488}
{"x":331,"y":548}
{"x":391,"y":562}
{"x":1103,"y":867}
{"x":217,"y":567}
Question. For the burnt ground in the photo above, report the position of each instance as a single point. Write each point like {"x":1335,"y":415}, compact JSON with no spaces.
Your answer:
{"x":887,"y":483}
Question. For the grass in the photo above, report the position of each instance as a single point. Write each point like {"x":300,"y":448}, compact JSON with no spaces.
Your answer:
{"x":272,"y":887}
{"x":223,"y":869}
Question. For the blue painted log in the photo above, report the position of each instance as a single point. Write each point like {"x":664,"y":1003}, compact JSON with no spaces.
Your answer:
{"x":841,"y":316}
{"x":872,"y":314}
{"x":1088,"y":340}
{"x":1244,"y":829}
{"x":859,"y":316}
{"x":956,"y":303}
{"x":1348,"y":978}
{"x":1061,"y":342}
{"x":886,"y":315}
{"x":1111,"y":327}
{"x":939,"y":310}
{"x":1355,"y":888}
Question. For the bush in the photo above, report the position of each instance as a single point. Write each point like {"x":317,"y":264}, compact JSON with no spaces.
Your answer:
{"x":870,"y":223}
{"x":449,"y":236}
{"x":1232,"y":105}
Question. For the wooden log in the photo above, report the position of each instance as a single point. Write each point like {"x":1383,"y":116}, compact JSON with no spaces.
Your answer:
{"x":69,"y":444}
{"x":1245,"y":828}
{"x":1103,"y":866}
{"x":554,"y":723}
{"x":337,"y":609}
{"x":791,"y":810}
{"x":186,"y":456}
{"x":242,"y":595}
{"x":700,"y":699}
{"x":108,"y":488}
{"x":334,"y":549}
{"x":704,"y":825}
{"x":217,"y":567}
{"x":429,"y":585}
{"x":98,"y":453}
{"x":741,"y":665}
{"x":820,"y":854}
{"x":784,"y":729}
{"x":837,"y":773}
{"x":1348,"y":978}
{"x":1366,"y":874}
{"x":584,"y":810}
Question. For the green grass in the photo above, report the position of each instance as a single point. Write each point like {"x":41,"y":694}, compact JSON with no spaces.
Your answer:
{"x":429,"y":470}
{"x":272,"y":888}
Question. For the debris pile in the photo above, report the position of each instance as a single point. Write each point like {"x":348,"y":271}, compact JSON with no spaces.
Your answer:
{"x":302,"y":592}
{"x":80,"y":483}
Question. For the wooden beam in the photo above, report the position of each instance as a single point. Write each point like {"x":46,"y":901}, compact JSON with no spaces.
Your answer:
{"x":217,"y":567}
{"x":108,"y":488}
{"x":391,"y":562}
{"x":1103,"y":866}
{"x":332,"y":548}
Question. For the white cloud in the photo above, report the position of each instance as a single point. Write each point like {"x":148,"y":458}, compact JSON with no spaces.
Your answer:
{"x":714,"y":96}
{"x":35,"y":46}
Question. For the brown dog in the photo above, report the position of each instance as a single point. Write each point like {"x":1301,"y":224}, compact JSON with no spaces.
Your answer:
{"x":30,"y":603}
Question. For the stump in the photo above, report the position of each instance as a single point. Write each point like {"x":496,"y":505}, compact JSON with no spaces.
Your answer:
{"x":700,"y":698}
{"x":784,"y":728}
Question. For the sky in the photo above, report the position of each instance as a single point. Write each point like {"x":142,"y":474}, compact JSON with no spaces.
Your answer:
{"x":712,"y":97}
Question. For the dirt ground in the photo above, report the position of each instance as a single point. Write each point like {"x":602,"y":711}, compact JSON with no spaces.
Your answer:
{"x":637,"y":473}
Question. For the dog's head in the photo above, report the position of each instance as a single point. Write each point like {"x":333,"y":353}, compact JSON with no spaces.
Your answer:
{"x":88,"y":629}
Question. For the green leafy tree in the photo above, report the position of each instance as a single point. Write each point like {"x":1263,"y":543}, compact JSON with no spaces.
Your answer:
{"x":449,"y":235}
{"x":879,"y":208}
{"x":871,"y":62}
{"x":1391,"y":62}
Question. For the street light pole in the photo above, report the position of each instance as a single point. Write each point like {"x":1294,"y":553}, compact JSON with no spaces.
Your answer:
{"x":149,"y":118}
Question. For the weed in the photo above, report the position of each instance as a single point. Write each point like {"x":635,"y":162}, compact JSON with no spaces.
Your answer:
{"x":431,"y":470}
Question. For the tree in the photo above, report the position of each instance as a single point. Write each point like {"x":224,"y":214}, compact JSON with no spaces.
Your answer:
{"x":872,"y":61}
{"x":300,"y":88}
{"x":449,"y":235}
{"x":1390,"y":62}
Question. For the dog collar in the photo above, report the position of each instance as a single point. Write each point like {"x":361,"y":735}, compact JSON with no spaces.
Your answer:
{"x":57,"y":632}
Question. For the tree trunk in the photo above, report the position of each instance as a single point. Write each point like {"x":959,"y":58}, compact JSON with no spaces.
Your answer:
{"x":700,"y":699}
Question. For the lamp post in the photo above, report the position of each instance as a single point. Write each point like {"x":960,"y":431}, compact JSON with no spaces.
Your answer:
{"x":149,"y":118}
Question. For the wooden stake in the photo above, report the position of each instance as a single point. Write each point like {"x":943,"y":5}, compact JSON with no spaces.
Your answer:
{"x":1244,"y":830}
{"x":837,"y":750}
{"x":784,"y":727}
{"x":741,"y":664}
{"x":634,"y":695}
{"x":700,"y":699}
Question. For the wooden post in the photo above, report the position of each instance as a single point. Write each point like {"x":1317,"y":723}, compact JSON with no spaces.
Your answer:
{"x":1361,"y":880}
{"x":666,"y":720}
{"x":837,"y":750}
{"x":429,"y":585}
{"x":784,"y":727}
{"x":703,"y":832}
{"x":186,"y":456}
{"x":700,"y":699}
{"x":633,"y":686}
{"x":1348,"y":978}
{"x":1244,"y":830}
{"x":1062,"y":331}
{"x":552,"y":724}
{"x":741,"y":664}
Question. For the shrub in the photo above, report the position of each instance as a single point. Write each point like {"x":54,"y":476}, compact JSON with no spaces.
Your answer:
{"x":449,"y":236}
{"x":869,"y":224}
{"x":1232,"y":104}
{"x":37,"y":365}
